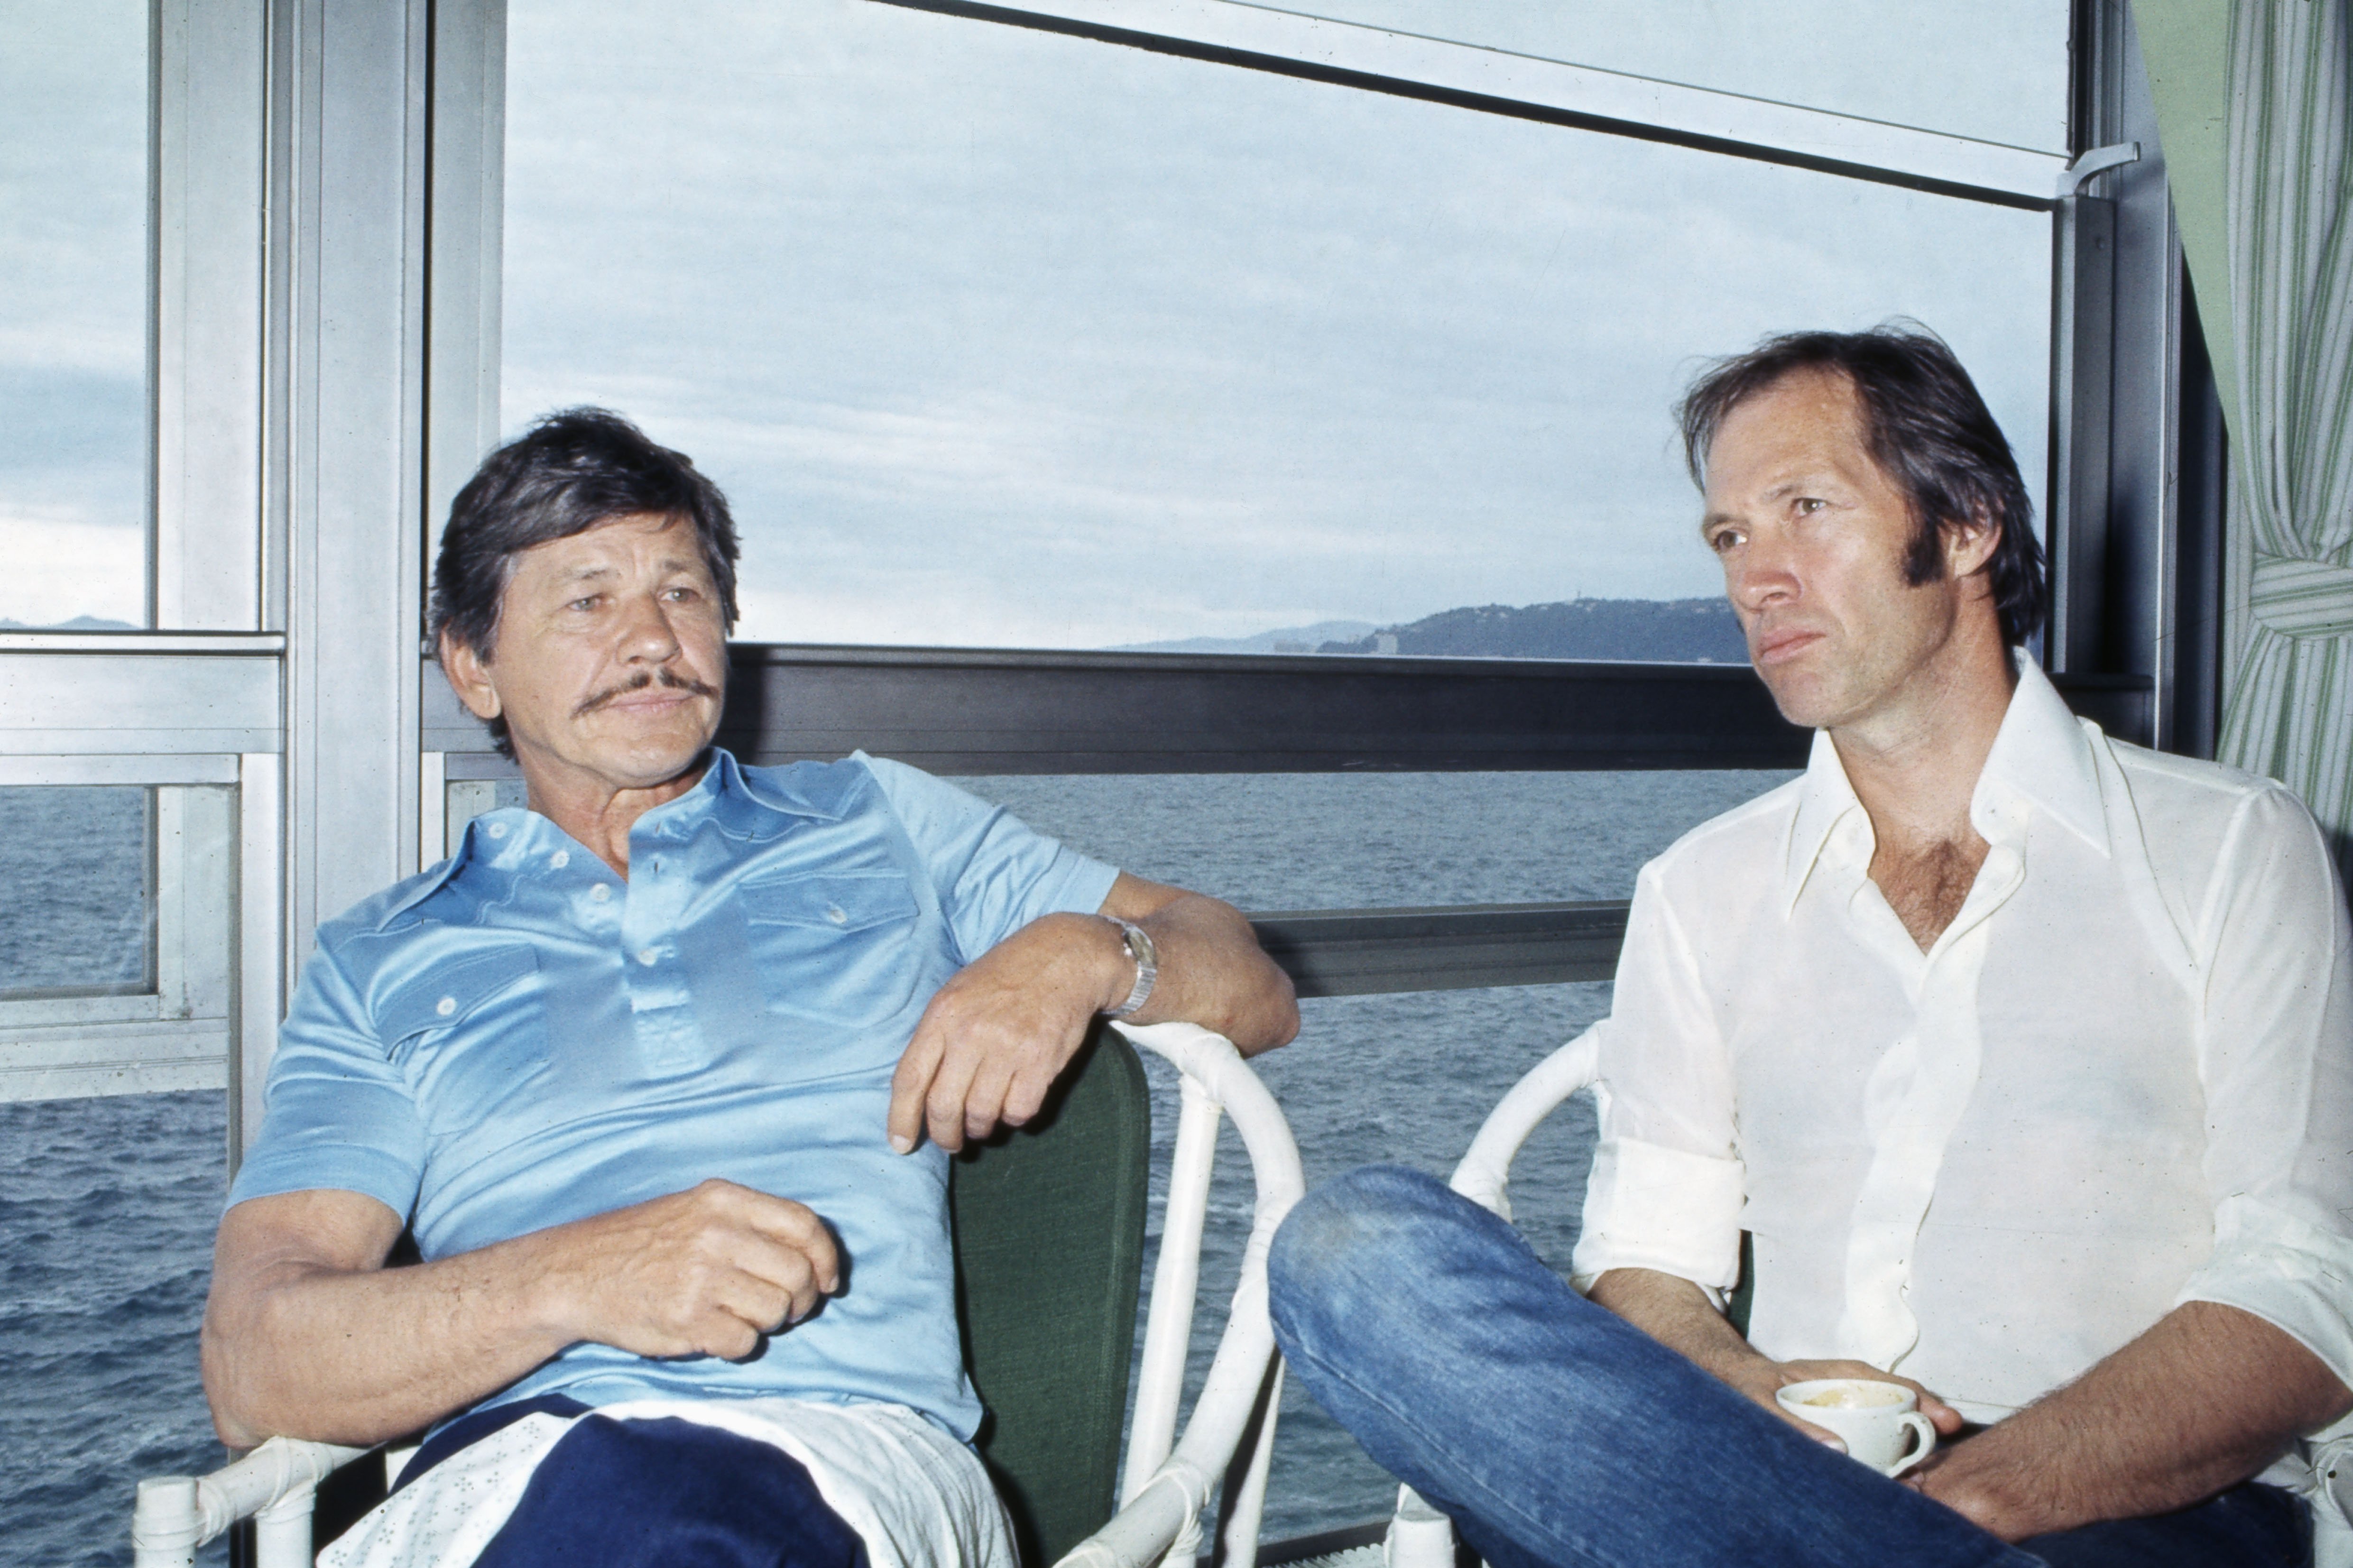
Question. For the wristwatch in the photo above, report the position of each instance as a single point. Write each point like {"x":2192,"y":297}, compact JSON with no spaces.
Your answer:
{"x":1148,"y":966}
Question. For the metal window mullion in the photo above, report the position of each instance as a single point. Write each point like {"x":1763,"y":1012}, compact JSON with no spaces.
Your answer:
{"x":2117,"y":389}
{"x":167,"y":891}
{"x":2082,"y":335}
{"x":82,"y":770}
{"x":352,"y":81}
{"x":258,"y":998}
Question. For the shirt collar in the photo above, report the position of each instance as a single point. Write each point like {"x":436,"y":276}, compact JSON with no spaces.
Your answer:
{"x":1824,"y":798}
{"x":2041,"y":760}
{"x":725,"y":791}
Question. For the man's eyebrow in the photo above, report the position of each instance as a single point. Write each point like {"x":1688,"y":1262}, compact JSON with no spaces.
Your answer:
{"x":581,"y":573}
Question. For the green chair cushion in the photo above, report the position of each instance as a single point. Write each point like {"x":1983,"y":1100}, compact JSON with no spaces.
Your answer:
{"x":1050,"y":1252}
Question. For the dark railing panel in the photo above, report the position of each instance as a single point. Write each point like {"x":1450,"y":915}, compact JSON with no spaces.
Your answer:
{"x":978,"y":712}
{"x":957,"y":710}
{"x":966,"y":711}
{"x":1356,"y":952}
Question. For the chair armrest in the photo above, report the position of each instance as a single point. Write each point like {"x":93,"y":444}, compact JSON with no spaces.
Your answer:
{"x":1484,"y":1174}
{"x":1161,"y":1516}
{"x":275,"y":1483}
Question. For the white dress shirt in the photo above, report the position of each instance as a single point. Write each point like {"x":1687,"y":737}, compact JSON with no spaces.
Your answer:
{"x":2122,"y":1079}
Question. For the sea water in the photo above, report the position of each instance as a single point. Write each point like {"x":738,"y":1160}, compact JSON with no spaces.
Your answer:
{"x":107,"y":1207}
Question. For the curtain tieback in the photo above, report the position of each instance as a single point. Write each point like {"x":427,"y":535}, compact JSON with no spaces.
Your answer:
{"x":2302,"y":598}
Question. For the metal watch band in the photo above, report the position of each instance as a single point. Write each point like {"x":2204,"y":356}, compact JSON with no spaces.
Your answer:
{"x":1148,"y":966}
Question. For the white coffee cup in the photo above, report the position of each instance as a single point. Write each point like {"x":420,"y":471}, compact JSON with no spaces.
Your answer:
{"x":1876,"y":1420}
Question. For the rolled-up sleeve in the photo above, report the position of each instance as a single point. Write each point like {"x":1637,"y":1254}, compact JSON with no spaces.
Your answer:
{"x":1667,"y":1188}
{"x":2277,"y":1060}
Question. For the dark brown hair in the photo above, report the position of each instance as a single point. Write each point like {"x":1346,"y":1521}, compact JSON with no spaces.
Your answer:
{"x":1928,"y":429}
{"x":570,"y":471}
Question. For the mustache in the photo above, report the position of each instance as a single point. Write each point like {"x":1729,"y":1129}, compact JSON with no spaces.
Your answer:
{"x":666,"y":678}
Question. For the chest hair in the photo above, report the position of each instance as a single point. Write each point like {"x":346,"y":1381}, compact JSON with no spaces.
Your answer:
{"x":1926,"y":884}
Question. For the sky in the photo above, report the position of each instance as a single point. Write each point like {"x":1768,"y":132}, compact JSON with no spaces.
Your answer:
{"x":73,"y":329}
{"x":998,"y":338}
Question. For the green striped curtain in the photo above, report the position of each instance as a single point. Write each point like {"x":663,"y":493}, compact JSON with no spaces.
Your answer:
{"x":2289,"y":709}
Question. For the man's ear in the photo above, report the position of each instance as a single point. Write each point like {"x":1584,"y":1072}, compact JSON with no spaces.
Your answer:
{"x":1970,"y":546}
{"x":469,"y":675}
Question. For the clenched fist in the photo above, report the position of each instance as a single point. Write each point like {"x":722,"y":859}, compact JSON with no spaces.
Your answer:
{"x":708,"y":1271}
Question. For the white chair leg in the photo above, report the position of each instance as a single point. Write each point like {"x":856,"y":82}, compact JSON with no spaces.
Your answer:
{"x":1238,"y":1533}
{"x":281,"y":1533}
{"x":165,"y":1527}
{"x":1420,"y":1536}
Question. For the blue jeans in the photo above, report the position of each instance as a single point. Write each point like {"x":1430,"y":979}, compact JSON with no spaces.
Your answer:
{"x":1555,"y":1433}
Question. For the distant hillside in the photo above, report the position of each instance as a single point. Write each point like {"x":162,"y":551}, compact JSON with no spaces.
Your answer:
{"x":1286,"y":640}
{"x":1698,"y":631}
{"x":78,"y":624}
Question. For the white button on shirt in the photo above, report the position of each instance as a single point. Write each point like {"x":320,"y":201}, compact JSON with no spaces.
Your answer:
{"x":2122,"y":1079}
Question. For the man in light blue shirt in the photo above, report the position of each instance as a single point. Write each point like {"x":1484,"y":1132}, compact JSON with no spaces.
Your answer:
{"x":648,"y":1067}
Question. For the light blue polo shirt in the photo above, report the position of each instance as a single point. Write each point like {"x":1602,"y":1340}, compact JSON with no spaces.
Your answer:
{"x":517,"y":1039}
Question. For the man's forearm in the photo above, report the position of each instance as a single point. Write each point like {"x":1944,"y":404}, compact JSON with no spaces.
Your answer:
{"x":356,"y":1357}
{"x":2203,"y":1400}
{"x":1213,"y":973}
{"x":306,"y":1335}
{"x":1679,"y":1315}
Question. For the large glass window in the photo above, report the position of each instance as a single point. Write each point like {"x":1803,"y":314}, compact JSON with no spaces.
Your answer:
{"x":1003,"y":338}
{"x":73,"y":317}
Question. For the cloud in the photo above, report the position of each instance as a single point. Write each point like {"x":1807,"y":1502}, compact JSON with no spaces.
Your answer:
{"x":73,"y":188}
{"x":981,"y":327}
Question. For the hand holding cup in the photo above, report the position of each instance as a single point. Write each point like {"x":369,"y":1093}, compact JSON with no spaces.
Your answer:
{"x":1880,"y":1423}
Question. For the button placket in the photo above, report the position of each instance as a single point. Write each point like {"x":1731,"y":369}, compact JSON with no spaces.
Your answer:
{"x":1914,"y":1099}
{"x":655,"y":978}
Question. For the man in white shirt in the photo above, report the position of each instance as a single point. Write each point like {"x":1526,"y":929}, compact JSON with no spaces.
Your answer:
{"x":2021,"y":1054}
